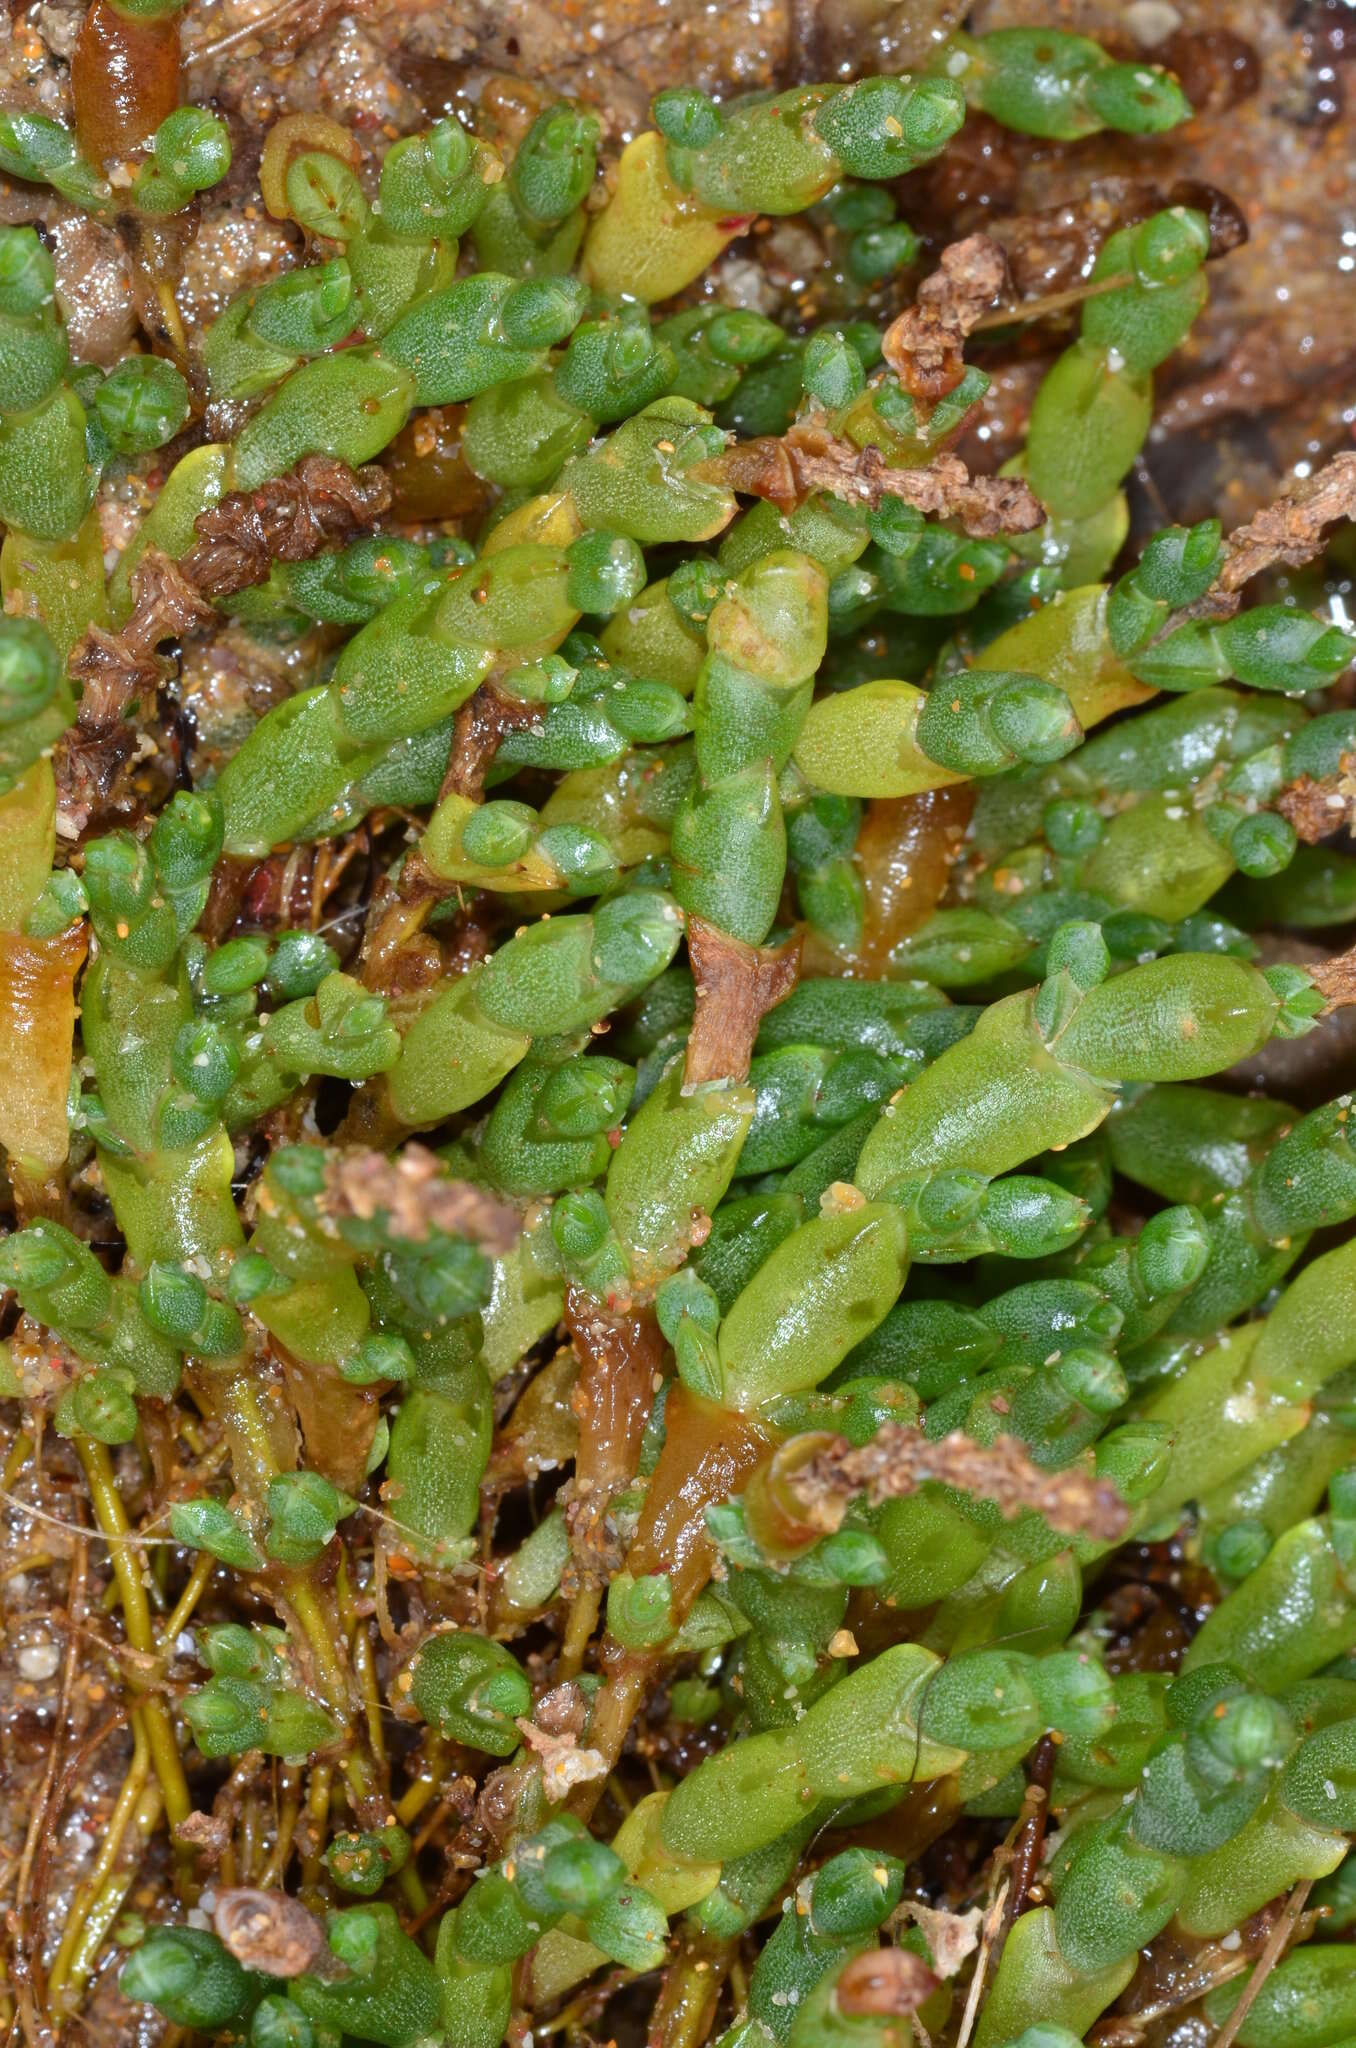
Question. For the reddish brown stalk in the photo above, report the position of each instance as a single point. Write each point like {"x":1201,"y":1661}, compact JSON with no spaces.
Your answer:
{"x":480,"y":724}
{"x":1028,"y":1840}
{"x":125,"y":80}
{"x":736,"y":987}
{"x":621,"y":1359}
{"x":708,"y":1454}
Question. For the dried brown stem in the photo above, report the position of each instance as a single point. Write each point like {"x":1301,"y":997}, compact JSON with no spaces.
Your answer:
{"x":207,"y":52}
{"x":923,"y":346}
{"x":1336,"y":979}
{"x":480,"y":724}
{"x":924,"y":349}
{"x":736,"y":987}
{"x":621,"y":1358}
{"x":993,"y":1920}
{"x":789,"y":468}
{"x":288,"y":519}
{"x":1029,"y":1833}
{"x":1290,"y":531}
{"x":1319,"y":806}
{"x":899,"y":1459}
{"x":1266,"y":1963}
{"x":415,"y":1197}
{"x":113,"y":668}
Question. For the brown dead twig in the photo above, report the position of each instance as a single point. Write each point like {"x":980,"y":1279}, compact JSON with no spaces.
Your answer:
{"x":1013,"y":1867}
{"x":481,"y":723}
{"x":1318,"y":805}
{"x":1027,"y":1838}
{"x":899,"y":1459}
{"x":787,"y":469}
{"x":289,"y":519}
{"x":415,"y":1197}
{"x":259,"y":29}
{"x":994,"y":1914}
{"x":1277,"y":1942}
{"x":1335,"y":978}
{"x":924,"y":345}
{"x":1289,"y":531}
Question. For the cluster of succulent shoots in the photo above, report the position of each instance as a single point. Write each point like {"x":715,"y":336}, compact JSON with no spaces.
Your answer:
{"x":617,"y":1220}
